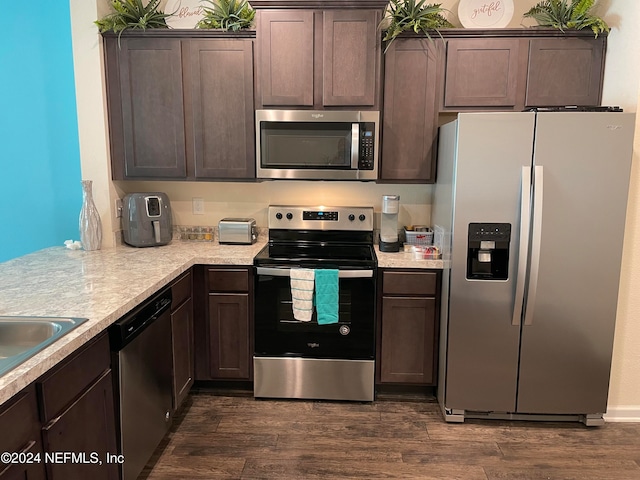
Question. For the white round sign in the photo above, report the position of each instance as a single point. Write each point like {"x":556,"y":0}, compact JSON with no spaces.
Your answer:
{"x":485,"y":13}
{"x":186,"y":13}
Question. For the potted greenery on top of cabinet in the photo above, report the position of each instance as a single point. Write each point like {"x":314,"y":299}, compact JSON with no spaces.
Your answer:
{"x":565,"y":14}
{"x":412,"y":16}
{"x":227,"y":15}
{"x":133,"y":14}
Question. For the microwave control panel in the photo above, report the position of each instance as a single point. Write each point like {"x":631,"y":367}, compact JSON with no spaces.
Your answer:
{"x":367,"y":142}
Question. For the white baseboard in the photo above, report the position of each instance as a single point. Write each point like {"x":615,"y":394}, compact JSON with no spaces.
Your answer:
{"x":623,"y":413}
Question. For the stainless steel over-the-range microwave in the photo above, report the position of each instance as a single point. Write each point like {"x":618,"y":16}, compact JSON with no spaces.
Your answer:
{"x":317,"y":145}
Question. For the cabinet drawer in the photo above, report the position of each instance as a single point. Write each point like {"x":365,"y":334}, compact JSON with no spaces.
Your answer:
{"x":228,"y":280}
{"x":66,"y":381}
{"x":181,"y":290}
{"x":409,"y":283}
{"x":18,"y":422}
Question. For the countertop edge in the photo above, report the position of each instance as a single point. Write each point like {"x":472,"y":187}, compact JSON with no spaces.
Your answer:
{"x":26,"y":373}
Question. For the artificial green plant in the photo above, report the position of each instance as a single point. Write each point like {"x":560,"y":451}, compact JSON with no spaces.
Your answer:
{"x":227,"y":15}
{"x":133,"y":14}
{"x":414,"y":16}
{"x":567,"y":14}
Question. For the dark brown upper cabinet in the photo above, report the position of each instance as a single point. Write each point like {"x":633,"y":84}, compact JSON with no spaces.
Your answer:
{"x":483,"y":72}
{"x":180,"y":105}
{"x":146,"y":109}
{"x":318,"y":58}
{"x":410,"y":120}
{"x":514,"y":69}
{"x":565,"y":71}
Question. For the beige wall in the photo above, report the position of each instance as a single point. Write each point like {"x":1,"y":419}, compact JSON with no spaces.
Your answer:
{"x":621,"y":87}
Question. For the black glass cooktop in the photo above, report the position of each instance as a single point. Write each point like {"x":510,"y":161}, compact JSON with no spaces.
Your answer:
{"x":317,"y":255}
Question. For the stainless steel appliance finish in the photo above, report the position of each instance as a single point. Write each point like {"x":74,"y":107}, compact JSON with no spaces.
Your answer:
{"x":300,"y":359}
{"x":142,"y":358}
{"x":241,"y":231}
{"x":317,"y":145}
{"x":329,"y":379}
{"x":146,"y":219}
{"x":534,"y":341}
{"x":22,"y":337}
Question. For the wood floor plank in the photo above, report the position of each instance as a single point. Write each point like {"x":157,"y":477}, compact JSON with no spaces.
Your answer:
{"x":230,"y":437}
{"x":264,"y":469}
{"x":542,"y":473}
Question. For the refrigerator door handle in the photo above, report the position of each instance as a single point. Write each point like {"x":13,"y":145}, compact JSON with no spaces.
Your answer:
{"x":523,"y":251}
{"x":536,"y":240}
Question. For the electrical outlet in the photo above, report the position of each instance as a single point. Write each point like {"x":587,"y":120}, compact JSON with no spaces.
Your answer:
{"x":118,"y":207}
{"x":198,"y":205}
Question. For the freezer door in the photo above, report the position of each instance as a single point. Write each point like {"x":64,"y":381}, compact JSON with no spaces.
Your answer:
{"x":482,"y":342}
{"x":567,"y":338}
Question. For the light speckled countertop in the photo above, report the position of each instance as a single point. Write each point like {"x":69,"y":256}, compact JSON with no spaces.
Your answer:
{"x":104,"y":285}
{"x":405,"y":260}
{"x":101,"y":286}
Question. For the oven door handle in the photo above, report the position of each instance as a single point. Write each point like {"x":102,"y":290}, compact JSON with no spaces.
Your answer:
{"x":286,"y":272}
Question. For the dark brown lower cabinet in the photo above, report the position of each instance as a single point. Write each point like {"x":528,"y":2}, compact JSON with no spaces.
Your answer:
{"x":229,"y":335}
{"x":223,"y":326}
{"x":182,"y":338}
{"x":408,"y":338}
{"x":85,"y":428}
{"x":77,"y":414}
{"x":20,"y":435}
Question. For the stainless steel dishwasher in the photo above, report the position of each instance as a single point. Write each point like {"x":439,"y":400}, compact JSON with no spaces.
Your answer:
{"x":142,"y":360}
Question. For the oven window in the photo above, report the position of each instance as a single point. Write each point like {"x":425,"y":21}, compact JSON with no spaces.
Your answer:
{"x":305,"y":145}
{"x":278,"y":333}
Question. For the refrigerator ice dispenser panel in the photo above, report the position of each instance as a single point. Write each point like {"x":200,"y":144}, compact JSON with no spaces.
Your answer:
{"x":488,"y":251}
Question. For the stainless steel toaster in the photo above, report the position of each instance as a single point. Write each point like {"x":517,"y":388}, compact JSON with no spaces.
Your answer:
{"x":239,"y":231}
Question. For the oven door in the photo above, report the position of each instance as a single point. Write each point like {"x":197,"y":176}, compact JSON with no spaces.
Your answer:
{"x":278,"y":334}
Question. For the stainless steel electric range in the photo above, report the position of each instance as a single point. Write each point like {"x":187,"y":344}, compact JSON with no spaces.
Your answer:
{"x":307,"y":359}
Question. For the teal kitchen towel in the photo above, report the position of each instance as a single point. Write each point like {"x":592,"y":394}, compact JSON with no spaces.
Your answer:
{"x":327,"y":296}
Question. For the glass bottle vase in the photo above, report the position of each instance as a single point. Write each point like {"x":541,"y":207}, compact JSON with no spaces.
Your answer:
{"x":90,"y":224}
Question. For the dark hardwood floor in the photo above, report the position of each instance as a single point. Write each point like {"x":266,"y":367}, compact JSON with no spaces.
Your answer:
{"x":236,"y":437}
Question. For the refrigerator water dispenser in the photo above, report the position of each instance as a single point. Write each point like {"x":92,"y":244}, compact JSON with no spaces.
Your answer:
{"x":488,"y":251}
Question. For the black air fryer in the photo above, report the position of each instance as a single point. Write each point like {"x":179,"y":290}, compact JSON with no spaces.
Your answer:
{"x":146,"y":219}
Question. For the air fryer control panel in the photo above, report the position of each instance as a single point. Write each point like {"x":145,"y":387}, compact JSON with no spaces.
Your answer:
{"x":153,"y":206}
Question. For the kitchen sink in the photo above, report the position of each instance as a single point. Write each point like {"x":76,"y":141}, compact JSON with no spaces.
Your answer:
{"x":22,"y":337}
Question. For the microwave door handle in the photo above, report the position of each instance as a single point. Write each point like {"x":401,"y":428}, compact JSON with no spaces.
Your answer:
{"x":355,"y":145}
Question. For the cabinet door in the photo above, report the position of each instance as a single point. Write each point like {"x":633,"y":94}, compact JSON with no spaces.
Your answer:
{"x":285,"y":76}
{"x":565,"y":71}
{"x":20,"y":427}
{"x":351,"y":52}
{"x":483,"y":72}
{"x":409,"y":126}
{"x":152,"y":142}
{"x":229,"y":347}
{"x":182,"y":344}
{"x":219,"y":93}
{"x":25,"y":471}
{"x":87,"y":426}
{"x":407,"y":340}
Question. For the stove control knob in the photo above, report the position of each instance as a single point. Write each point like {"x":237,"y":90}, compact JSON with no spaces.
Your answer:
{"x":279,"y":216}
{"x":352,"y":217}
{"x":361,"y":217}
{"x":289,"y":216}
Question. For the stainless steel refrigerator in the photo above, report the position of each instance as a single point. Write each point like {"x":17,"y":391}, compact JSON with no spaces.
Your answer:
{"x":529,"y":209}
